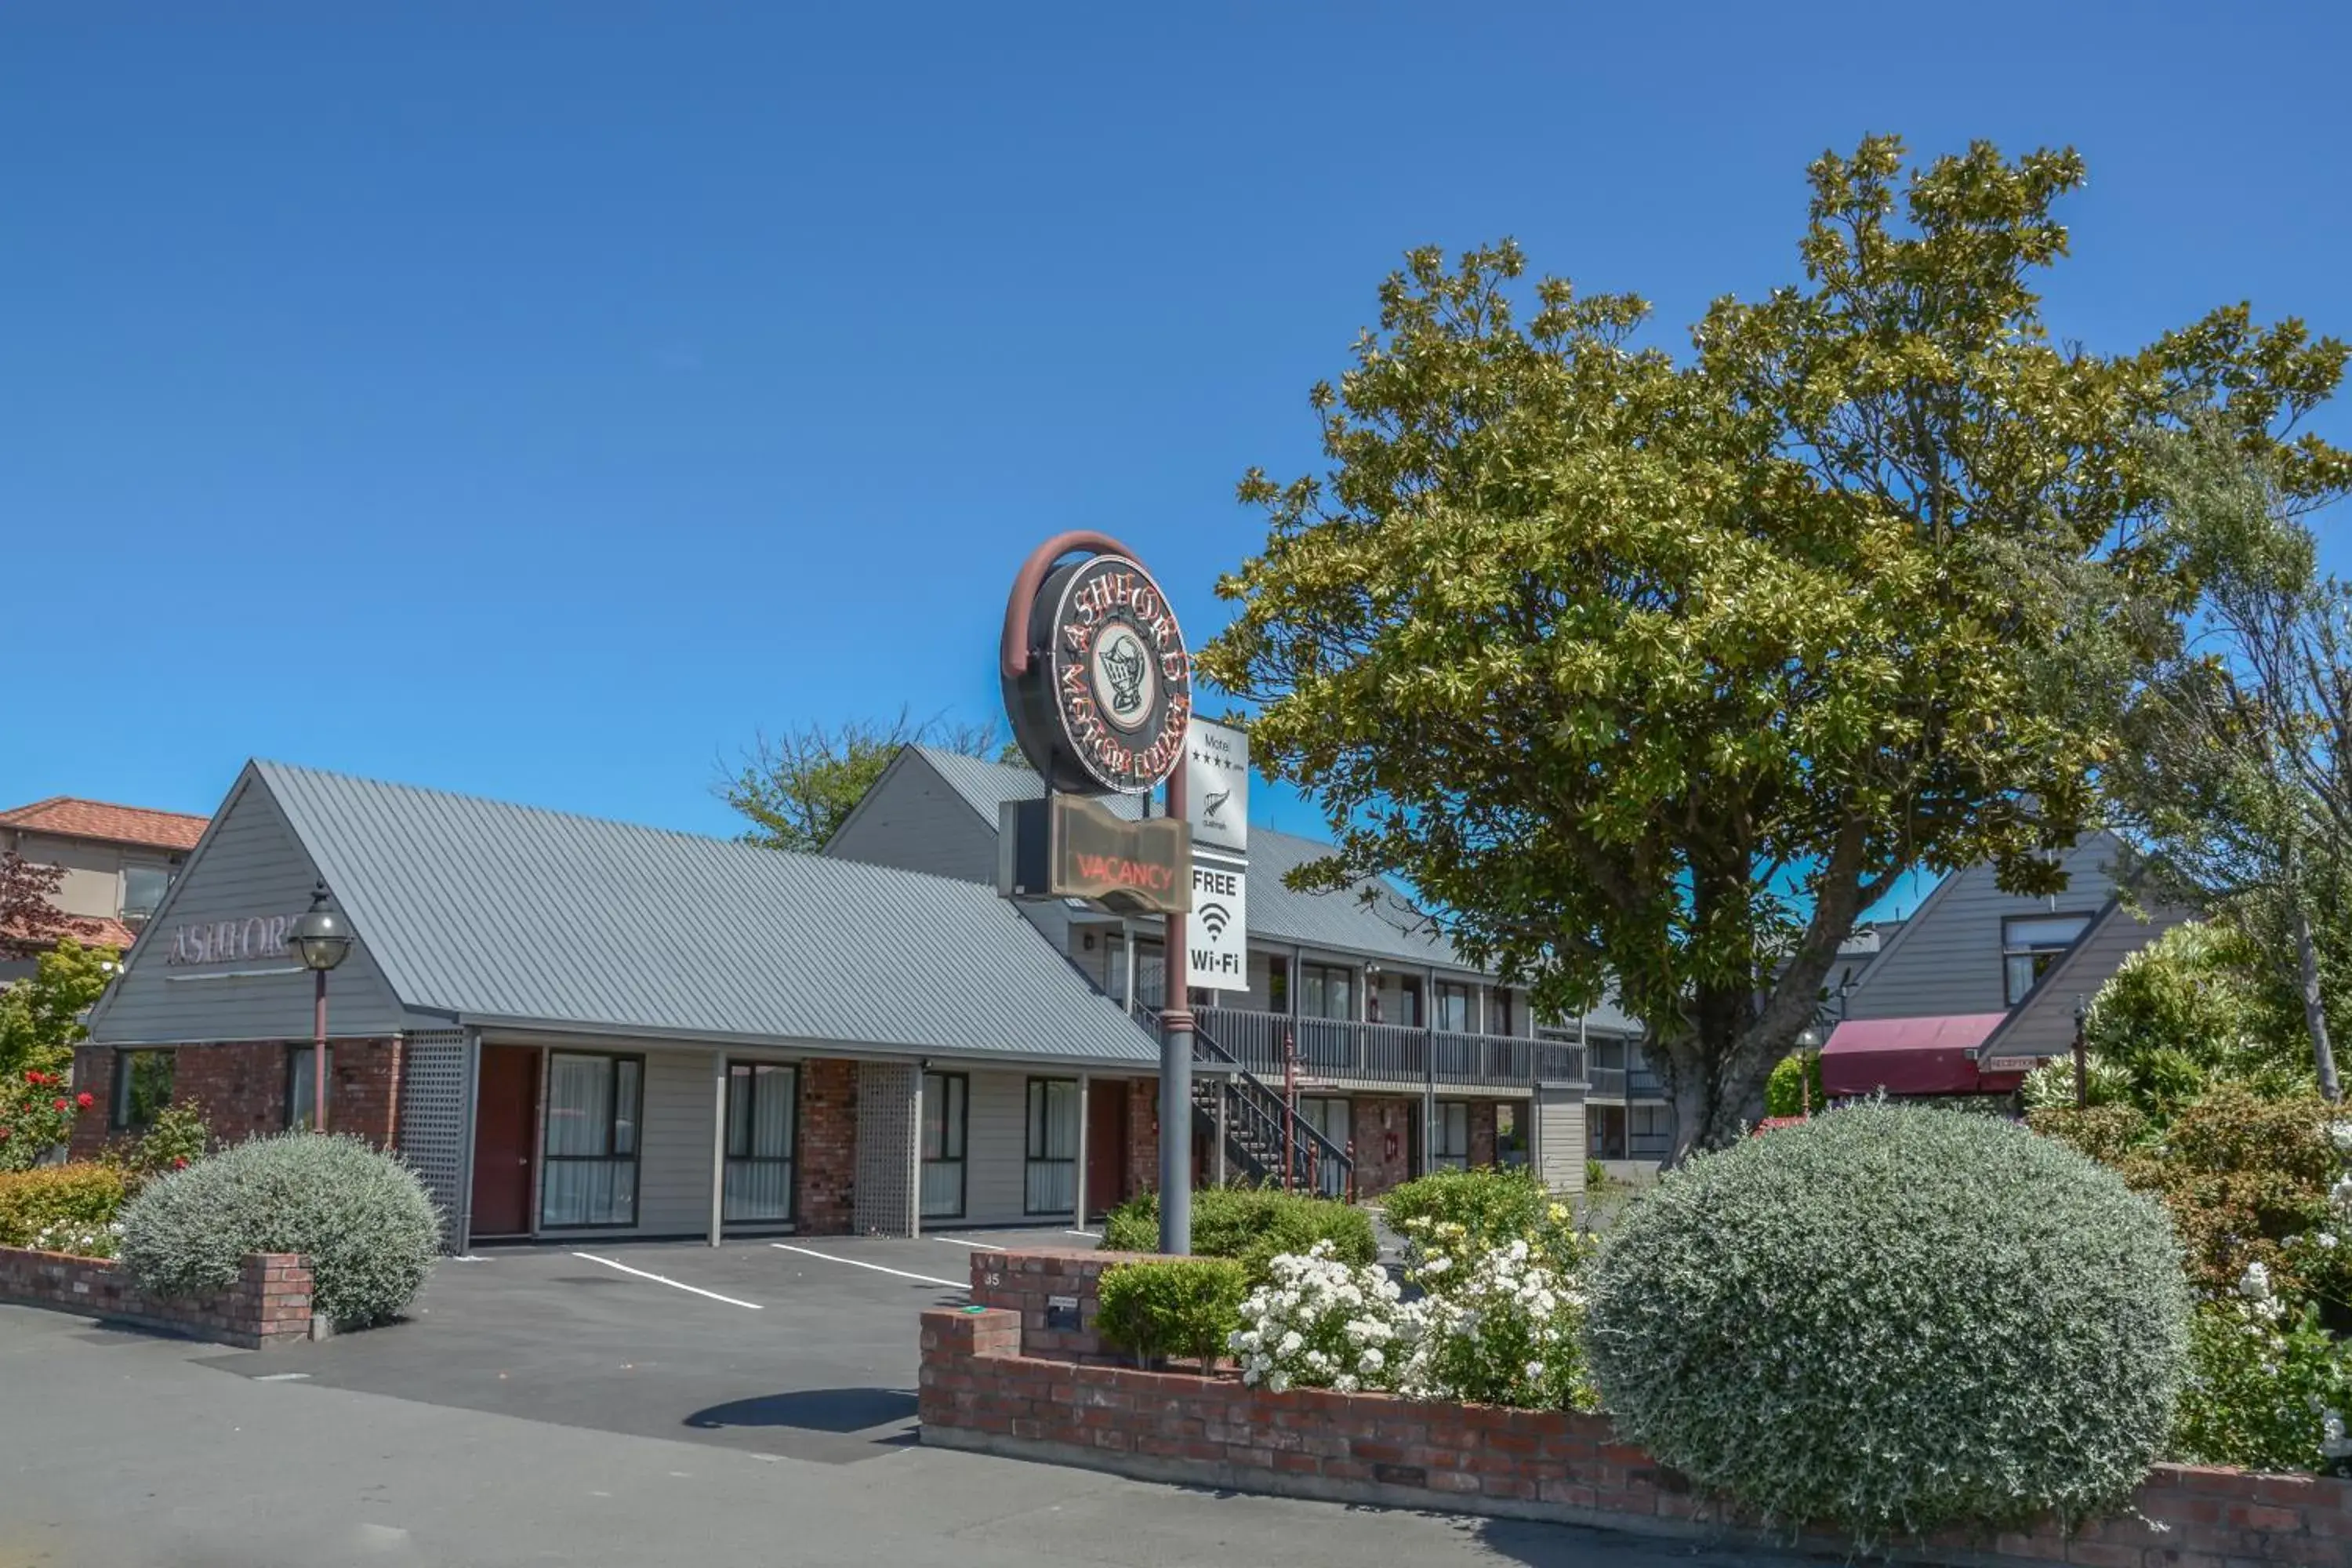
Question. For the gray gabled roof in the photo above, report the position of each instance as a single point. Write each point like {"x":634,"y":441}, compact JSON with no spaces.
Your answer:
{"x":1386,"y":927}
{"x":494,"y":912}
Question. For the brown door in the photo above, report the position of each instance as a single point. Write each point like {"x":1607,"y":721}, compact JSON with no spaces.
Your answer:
{"x":506,"y":1113}
{"x":1106,"y":1146}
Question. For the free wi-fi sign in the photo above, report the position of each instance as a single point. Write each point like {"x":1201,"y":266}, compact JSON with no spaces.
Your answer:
{"x":1216,"y":939}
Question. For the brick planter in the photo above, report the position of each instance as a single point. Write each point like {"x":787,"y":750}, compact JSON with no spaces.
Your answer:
{"x":269,"y":1305}
{"x":981,"y":1389}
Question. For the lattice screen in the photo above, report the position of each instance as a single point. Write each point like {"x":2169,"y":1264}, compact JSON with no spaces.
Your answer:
{"x":887,"y":1134}
{"x":433,"y":1104}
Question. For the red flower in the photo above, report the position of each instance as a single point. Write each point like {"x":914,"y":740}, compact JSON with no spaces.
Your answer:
{"x":34,"y":1078}
{"x":4,"y":1131}
{"x":62,"y":1102}
{"x":179,"y":1162}
{"x":85,"y":1099}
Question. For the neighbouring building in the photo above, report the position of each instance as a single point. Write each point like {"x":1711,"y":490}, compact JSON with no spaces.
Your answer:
{"x":1396,"y":1050}
{"x":117,"y":859}
{"x":1980,"y":986}
{"x":584,"y":1029}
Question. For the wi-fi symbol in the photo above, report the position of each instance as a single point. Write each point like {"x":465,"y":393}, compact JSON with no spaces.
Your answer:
{"x":1216,"y":917}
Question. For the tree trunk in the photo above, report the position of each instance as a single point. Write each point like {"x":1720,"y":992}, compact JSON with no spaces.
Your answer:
{"x":2314,"y":1016}
{"x":1715,"y":1090}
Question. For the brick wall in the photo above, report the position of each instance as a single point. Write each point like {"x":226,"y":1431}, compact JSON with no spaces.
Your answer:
{"x":827,"y":1149}
{"x":980,"y":1390}
{"x":269,"y":1306}
{"x":1024,"y":1283}
{"x":1377,"y":1169}
{"x":1142,"y":1135}
{"x":241,"y":1089}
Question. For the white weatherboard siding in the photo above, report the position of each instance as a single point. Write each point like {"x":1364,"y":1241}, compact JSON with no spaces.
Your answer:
{"x":674,"y":1167}
{"x":1947,"y":959}
{"x":996,"y":1147}
{"x":1559,"y":1139}
{"x":252,"y":866}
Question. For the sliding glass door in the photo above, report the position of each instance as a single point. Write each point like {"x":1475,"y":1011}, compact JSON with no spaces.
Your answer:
{"x":762,"y":1101}
{"x":591,"y":1174}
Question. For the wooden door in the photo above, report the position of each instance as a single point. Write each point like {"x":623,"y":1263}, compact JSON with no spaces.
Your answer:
{"x":506,"y":1116}
{"x":1106,"y":1146}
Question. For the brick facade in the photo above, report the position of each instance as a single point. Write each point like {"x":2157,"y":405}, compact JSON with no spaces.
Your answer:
{"x":269,"y":1306}
{"x":1142,"y":1135}
{"x":241,"y":1087}
{"x":827,"y":1152}
{"x":1025,"y":1283}
{"x":990,"y":1382}
{"x":1383,"y":1153}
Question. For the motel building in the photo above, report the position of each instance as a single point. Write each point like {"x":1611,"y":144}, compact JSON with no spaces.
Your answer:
{"x":576,"y":1028}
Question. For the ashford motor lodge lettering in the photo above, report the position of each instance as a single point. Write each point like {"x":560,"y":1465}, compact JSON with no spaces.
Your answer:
{"x":256,"y":937}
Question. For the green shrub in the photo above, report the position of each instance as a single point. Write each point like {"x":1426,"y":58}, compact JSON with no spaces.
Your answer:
{"x":2268,"y":1391}
{"x":2195,"y":1008}
{"x":361,"y":1218}
{"x":1175,"y":1306}
{"x":1253,"y":1224}
{"x":175,"y":1140}
{"x":84,"y":1195}
{"x":1894,"y":1318}
{"x":1493,"y":1208}
{"x":1596,"y":1176}
{"x":1792,"y":1078}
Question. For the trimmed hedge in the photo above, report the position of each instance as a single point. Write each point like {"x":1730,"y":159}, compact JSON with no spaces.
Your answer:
{"x":1895,"y":1317}
{"x":1175,"y":1306}
{"x":361,"y":1218}
{"x":1494,"y":1207}
{"x":32,"y":1201}
{"x":1253,"y":1224}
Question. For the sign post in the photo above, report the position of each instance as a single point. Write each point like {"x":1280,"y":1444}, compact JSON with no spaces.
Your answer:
{"x":1099,"y":686}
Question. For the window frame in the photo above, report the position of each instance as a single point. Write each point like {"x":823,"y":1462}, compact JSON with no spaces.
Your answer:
{"x":1442,"y":1158}
{"x":1035,"y":1126}
{"x":1461,"y":991}
{"x":298,"y":1105}
{"x":1321,"y":974}
{"x":751,"y":1083}
{"x":2048,"y":954}
{"x":961,"y":1128}
{"x":122,"y":898}
{"x":118,"y":1099}
{"x":613,"y":1119}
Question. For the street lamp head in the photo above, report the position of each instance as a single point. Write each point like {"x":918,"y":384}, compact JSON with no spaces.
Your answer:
{"x":2081,"y":1012}
{"x":1809,"y":1039}
{"x":320,"y":936}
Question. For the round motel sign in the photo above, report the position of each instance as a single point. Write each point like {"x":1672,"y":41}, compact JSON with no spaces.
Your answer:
{"x":1103,"y":705}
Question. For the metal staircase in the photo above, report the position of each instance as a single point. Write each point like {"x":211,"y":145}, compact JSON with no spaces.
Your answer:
{"x":1264,"y":1134}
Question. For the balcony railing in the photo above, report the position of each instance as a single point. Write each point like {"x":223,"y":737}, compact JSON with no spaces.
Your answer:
{"x":1337,"y":1049}
{"x":1619,"y":1084}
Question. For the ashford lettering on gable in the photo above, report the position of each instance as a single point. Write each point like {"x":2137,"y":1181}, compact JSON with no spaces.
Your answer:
{"x":231,"y":941}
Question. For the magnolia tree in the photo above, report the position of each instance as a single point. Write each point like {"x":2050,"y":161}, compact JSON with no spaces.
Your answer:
{"x":1651,"y":672}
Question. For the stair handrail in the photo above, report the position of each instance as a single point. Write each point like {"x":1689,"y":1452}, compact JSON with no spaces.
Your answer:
{"x":1204,"y":1044}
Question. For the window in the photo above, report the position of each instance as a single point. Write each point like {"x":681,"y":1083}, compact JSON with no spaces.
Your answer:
{"x":1330,"y":1118}
{"x":1452,"y":1150}
{"x":945,"y":1103}
{"x":1502,"y":1020}
{"x":299,"y":1094}
{"x":1052,"y":1179}
{"x":1452,"y":1007}
{"x":1510,"y":1136}
{"x":142,"y":889}
{"x":591,"y":1175}
{"x":763,"y":1102}
{"x":1277,"y":985}
{"x":1409,"y":1000}
{"x":142,"y":1086}
{"x":2030,"y":945}
{"x":1649,"y":1131}
{"x":1325,"y":991}
{"x":1150,"y":971}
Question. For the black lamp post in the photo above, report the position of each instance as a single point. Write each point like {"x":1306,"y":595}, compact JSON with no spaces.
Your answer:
{"x":2082,"y":1058}
{"x":321,"y":938}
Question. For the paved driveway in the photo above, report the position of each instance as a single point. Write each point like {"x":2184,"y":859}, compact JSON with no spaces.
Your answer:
{"x":800,"y":1347}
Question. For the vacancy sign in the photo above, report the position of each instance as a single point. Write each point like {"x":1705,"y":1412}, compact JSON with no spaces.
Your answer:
{"x":1216,"y":937}
{"x":1216,"y":787}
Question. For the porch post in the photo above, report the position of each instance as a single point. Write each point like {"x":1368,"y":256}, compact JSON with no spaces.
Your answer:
{"x":463,"y":1241}
{"x":1221,"y":1097}
{"x":718,"y":1144}
{"x":1078,"y":1193}
{"x":1127,"y":953}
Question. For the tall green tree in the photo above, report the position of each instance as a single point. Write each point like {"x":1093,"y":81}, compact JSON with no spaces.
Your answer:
{"x":2234,"y":776}
{"x":41,"y":1015}
{"x":1657,"y":671}
{"x":795,"y":789}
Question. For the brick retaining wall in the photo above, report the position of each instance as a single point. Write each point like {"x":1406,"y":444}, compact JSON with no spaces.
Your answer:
{"x":269,"y":1306}
{"x":996,"y":1379}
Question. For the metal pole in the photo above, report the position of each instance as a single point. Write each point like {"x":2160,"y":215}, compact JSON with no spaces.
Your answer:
{"x":1176,"y":1075}
{"x":318,"y":1053}
{"x":718,"y":1145}
{"x":1078,"y":1193}
{"x":2082,"y":1061}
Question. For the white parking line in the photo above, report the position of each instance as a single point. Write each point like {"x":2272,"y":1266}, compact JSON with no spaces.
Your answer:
{"x":960,"y":1241}
{"x":673,"y":1284}
{"x":857,"y":1263}
{"x":1089,"y":1235}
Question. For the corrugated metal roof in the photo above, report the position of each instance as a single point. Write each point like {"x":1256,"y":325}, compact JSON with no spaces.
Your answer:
{"x":495,"y":911}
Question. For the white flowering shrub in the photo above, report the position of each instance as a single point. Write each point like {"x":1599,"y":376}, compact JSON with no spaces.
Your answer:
{"x":1498,"y":1325}
{"x":1320,"y":1322}
{"x":2268,"y":1386}
{"x":361,"y":1218}
{"x":81,"y":1237}
{"x":1895,"y":1317}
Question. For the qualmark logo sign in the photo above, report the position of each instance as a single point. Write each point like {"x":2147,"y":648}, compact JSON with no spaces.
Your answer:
{"x":1216,"y":785}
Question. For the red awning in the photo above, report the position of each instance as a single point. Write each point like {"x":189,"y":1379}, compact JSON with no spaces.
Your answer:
{"x":1909,"y":1055}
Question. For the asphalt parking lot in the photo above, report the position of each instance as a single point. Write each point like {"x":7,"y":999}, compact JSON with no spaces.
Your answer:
{"x":801,"y":1347}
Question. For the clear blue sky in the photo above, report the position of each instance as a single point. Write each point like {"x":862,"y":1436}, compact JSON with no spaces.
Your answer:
{"x":536,"y":399}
